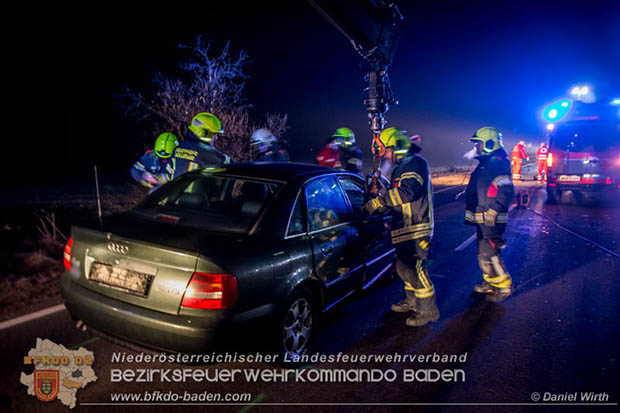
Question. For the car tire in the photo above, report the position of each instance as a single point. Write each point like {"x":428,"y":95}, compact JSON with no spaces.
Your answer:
{"x":553,"y":196}
{"x":298,"y":323}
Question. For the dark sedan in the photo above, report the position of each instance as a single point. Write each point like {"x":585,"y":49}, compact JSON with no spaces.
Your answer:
{"x":219,"y":247}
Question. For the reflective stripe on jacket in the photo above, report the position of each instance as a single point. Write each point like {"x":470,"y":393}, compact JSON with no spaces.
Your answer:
{"x":410,"y":200}
{"x":490,"y":189}
{"x":192,"y":154}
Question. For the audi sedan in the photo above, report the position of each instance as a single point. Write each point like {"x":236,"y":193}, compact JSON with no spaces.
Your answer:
{"x":224,"y":247}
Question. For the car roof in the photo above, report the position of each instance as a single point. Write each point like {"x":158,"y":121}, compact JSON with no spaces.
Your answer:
{"x":277,"y":171}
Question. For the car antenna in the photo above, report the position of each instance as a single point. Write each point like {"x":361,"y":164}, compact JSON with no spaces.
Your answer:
{"x":98,"y":197}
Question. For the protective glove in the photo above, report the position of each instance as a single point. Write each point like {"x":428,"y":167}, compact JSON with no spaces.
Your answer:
{"x":490,"y":216}
{"x":372,"y":205}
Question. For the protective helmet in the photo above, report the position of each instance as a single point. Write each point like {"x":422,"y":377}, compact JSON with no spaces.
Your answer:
{"x":262,"y":137}
{"x":205,"y":126}
{"x":165,"y":144}
{"x":346,"y":134}
{"x":490,"y":137}
{"x":397,"y":139}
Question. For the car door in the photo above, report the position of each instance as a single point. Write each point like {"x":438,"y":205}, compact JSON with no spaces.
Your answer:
{"x":373,"y":231}
{"x":334,"y":240}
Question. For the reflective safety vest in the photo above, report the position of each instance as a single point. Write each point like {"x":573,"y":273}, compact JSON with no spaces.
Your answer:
{"x":518,"y":153}
{"x":542,"y":153}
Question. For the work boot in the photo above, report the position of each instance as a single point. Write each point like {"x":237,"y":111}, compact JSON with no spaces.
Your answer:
{"x":494,"y":294}
{"x":425,"y":313}
{"x":403,"y":306}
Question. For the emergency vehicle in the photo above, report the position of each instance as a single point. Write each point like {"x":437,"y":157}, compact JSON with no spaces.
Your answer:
{"x":584,"y":151}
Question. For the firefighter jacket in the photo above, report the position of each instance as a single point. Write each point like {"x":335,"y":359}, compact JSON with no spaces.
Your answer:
{"x":410,"y":201}
{"x":542,"y":153}
{"x":193,"y":154}
{"x":489,"y":191}
{"x":154,"y":165}
{"x":518,"y":153}
{"x":351,"y":159}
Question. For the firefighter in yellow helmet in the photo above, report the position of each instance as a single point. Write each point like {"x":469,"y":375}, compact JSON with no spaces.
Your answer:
{"x":410,"y":202}
{"x":197,"y":150}
{"x":487,"y":198}
{"x":150,"y":169}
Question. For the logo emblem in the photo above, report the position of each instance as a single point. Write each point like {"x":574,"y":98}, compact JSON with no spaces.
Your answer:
{"x":118,"y":248}
{"x":46,"y":384}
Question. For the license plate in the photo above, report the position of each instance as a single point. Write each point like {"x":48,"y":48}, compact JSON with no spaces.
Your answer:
{"x":569,"y":178}
{"x":123,"y":279}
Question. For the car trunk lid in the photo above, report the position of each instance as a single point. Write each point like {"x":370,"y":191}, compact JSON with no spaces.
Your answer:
{"x":147,"y":264}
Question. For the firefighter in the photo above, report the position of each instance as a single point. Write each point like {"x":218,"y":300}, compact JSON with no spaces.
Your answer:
{"x":197,"y":151}
{"x":541,"y":155}
{"x":350,"y":154}
{"x":330,"y":155}
{"x":410,"y":202}
{"x":150,"y":169}
{"x":516,"y":160}
{"x":487,"y":198}
{"x":267,"y":147}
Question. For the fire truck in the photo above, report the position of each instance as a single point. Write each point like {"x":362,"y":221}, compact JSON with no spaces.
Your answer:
{"x":584,"y":151}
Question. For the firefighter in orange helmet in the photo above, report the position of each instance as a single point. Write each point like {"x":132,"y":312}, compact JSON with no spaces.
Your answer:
{"x":516,"y":160}
{"x":541,"y":155}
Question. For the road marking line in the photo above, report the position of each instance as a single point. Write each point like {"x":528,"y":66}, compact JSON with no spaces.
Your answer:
{"x":466,"y":243}
{"x":446,"y":189}
{"x":32,"y":316}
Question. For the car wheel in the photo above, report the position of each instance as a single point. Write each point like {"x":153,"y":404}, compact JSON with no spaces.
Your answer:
{"x":553,"y":196}
{"x":297,"y":324}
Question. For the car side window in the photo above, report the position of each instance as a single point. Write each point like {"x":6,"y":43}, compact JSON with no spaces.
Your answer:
{"x":326,"y":204}
{"x":355,"y":192}
{"x":296,"y":224}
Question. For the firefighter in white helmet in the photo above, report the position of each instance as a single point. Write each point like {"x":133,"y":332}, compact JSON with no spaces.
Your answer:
{"x":267,"y":147}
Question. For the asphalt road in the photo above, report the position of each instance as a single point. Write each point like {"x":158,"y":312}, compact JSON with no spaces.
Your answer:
{"x":557,"y":334}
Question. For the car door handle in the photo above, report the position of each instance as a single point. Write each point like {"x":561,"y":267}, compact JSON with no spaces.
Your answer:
{"x":327,"y":250}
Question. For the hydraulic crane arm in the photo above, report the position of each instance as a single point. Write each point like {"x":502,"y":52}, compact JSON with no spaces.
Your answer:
{"x":373,"y":28}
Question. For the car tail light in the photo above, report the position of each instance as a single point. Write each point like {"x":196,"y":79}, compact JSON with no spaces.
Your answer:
{"x":66,"y":257}
{"x":210,"y":291}
{"x":550,"y":160}
{"x":608,"y":181}
{"x":552,"y":184}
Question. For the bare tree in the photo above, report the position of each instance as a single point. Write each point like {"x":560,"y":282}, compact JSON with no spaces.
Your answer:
{"x":209,"y":82}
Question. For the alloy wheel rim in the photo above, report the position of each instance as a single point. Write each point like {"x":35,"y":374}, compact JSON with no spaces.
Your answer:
{"x":297,"y":327}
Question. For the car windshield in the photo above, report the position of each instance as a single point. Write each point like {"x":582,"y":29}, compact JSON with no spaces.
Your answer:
{"x":591,"y":137}
{"x":209,"y":201}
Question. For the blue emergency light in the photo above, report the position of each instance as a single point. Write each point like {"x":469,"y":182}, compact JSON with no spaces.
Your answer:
{"x":557,"y":110}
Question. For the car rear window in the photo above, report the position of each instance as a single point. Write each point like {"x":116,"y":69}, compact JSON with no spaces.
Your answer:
{"x":209,"y":201}
{"x":587,"y":137}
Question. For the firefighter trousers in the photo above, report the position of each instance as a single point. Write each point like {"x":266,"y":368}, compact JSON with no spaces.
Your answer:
{"x":411,"y":259}
{"x":490,"y":261}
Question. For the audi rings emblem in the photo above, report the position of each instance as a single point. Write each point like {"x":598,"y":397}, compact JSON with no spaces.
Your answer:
{"x":118,"y":248}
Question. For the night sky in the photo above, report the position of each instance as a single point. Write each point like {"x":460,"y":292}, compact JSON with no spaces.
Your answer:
{"x":458,"y":66}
